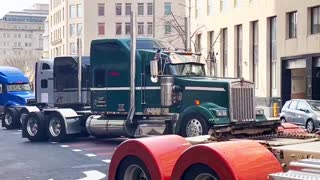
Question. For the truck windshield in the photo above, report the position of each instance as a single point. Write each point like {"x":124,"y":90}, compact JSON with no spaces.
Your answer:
{"x":187,"y":69}
{"x":18,"y":87}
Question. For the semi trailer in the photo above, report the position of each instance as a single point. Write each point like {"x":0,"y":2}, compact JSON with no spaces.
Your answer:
{"x":15,"y":90}
{"x":144,"y":88}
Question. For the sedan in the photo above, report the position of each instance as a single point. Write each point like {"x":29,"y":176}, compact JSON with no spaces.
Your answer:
{"x":302,"y":112}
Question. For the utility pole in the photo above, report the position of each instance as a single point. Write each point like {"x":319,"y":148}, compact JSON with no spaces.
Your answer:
{"x":79,"y":46}
{"x":154,"y":19}
{"x":189,"y":26}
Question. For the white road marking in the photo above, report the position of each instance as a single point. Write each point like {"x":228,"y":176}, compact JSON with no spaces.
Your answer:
{"x":50,"y":179}
{"x":76,"y":150}
{"x":93,"y":175}
{"x":19,"y":130}
{"x":64,"y":146}
{"x":54,"y":142}
{"x":18,"y":133}
{"x":107,"y":161}
{"x":91,"y":155}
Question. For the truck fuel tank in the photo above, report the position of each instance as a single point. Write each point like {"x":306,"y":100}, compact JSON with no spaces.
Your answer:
{"x":99,"y":127}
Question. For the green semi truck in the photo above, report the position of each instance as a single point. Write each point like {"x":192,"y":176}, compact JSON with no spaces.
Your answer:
{"x":151,"y":91}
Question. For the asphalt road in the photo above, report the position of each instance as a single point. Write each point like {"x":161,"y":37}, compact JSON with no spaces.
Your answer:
{"x":84,"y":159}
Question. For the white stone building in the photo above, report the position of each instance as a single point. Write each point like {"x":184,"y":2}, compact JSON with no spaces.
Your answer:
{"x":96,"y":19}
{"x":274,"y":43}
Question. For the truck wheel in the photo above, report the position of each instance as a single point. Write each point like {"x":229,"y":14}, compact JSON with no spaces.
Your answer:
{"x":56,"y":128}
{"x":23,"y":115}
{"x":200,"y":171}
{"x":132,"y":168}
{"x":10,"y":118}
{"x":193,"y":125}
{"x":34,"y":127}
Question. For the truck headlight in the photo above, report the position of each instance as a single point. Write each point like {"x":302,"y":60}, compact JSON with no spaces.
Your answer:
{"x":259,"y":111}
{"x":221,"y":113}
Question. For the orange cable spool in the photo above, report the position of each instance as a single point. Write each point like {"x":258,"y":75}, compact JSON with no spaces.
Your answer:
{"x":157,"y":155}
{"x":233,"y":160}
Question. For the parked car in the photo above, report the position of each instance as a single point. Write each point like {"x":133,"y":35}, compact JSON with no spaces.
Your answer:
{"x":302,"y":112}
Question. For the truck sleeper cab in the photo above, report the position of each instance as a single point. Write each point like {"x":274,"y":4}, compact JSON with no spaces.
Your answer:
{"x":15,"y":91}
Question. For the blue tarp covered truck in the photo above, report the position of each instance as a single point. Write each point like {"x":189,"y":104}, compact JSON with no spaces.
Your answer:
{"x":15,"y":91}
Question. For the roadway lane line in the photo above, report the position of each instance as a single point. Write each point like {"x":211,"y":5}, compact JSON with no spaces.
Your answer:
{"x":76,"y":150}
{"x":93,"y":175}
{"x":91,"y":155}
{"x":64,"y":146}
{"x":107,"y":161}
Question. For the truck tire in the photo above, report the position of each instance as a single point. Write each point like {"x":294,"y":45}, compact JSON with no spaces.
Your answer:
{"x":10,"y":118}
{"x":56,"y":128}
{"x":200,"y":171}
{"x":132,"y":168}
{"x":34,"y":127}
{"x":22,"y":115}
{"x":193,"y":125}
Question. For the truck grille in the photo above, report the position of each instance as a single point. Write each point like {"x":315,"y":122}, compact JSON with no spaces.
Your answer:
{"x":242,"y":102}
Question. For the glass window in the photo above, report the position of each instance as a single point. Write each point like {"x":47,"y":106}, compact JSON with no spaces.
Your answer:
{"x":18,"y":87}
{"x":73,"y":48}
{"x":140,"y":28}
{"x":73,"y":11}
{"x":79,"y":29}
{"x":167,"y":8}
{"x":150,"y":9}
{"x":167,"y":28}
{"x":73,"y":30}
{"x":128,"y":9}
{"x":315,"y":105}
{"x":292,"y":24}
{"x":255,"y":53}
{"x":225,"y":51}
{"x":239,"y":51}
{"x":150,"y":28}
{"x":302,"y":106}
{"x":101,"y":9}
{"x":118,"y":9}
{"x":100,"y":78}
{"x":315,"y":20}
{"x":44,"y":83}
{"x":79,"y":10}
{"x":210,"y":7}
{"x":293,"y":105}
{"x":118,"y":28}
{"x":128,"y":28}
{"x":101,"y":29}
{"x":140,"y":9}
{"x":45,"y":66}
{"x":273,"y":51}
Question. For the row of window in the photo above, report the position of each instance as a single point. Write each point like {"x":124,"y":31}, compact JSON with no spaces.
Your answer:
{"x":76,"y":30}
{"x":16,"y":52}
{"x":8,"y":35}
{"x":23,"y":27}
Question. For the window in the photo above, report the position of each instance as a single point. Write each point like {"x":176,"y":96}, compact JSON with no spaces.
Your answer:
{"x":80,"y":10}
{"x":150,"y":9}
{"x":150,"y":28}
{"x":197,"y":7}
{"x":73,"y":48}
{"x":292,"y":25}
{"x":140,"y":9}
{"x":239,"y":51}
{"x":211,"y":55}
{"x":167,"y":28}
{"x":101,"y":9}
{"x":302,"y":106}
{"x":210,"y":7}
{"x":255,"y":53}
{"x":128,"y":28}
{"x":79,"y":29}
{"x":225,"y":51}
{"x":315,"y":20}
{"x":44,"y":83}
{"x":118,"y":9}
{"x":239,"y":3}
{"x":140,"y":28}
{"x":118,"y":28}
{"x":167,"y":8}
{"x":73,"y":11}
{"x":273,"y":51}
{"x":198,"y":43}
{"x":73,"y":30}
{"x":45,"y":66}
{"x":128,"y":9}
{"x":101,"y":29}
{"x":100,"y":78}
{"x":293,"y":105}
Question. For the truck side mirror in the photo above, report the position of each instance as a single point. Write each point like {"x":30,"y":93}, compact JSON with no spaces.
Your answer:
{"x":154,"y":70}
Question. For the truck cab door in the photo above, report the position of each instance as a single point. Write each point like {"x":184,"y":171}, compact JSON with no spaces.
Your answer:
{"x":44,"y":82}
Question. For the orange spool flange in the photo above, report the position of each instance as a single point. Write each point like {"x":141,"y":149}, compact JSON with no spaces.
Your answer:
{"x":291,"y":128}
{"x":233,"y":160}
{"x":159,"y":155}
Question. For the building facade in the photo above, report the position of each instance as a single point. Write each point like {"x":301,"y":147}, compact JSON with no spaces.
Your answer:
{"x":275,"y":44}
{"x":21,"y":37}
{"x":98,"y":19}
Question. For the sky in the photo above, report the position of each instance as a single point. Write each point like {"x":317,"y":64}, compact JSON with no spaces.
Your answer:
{"x":17,"y":5}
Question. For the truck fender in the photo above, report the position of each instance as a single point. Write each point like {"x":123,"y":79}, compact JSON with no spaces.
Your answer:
{"x":70,"y":117}
{"x":27,"y":110}
{"x":202,"y":109}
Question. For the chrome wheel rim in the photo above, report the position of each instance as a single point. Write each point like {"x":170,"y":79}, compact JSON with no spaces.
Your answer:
{"x":8,"y":119}
{"x":32,"y":126}
{"x":135,"y":172}
{"x":310,"y":126}
{"x":194,"y":128}
{"x":205,"y":176}
{"x":55,"y":127}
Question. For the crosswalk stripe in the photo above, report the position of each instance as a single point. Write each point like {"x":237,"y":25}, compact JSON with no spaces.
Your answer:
{"x":107,"y":161}
{"x":91,"y":155}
